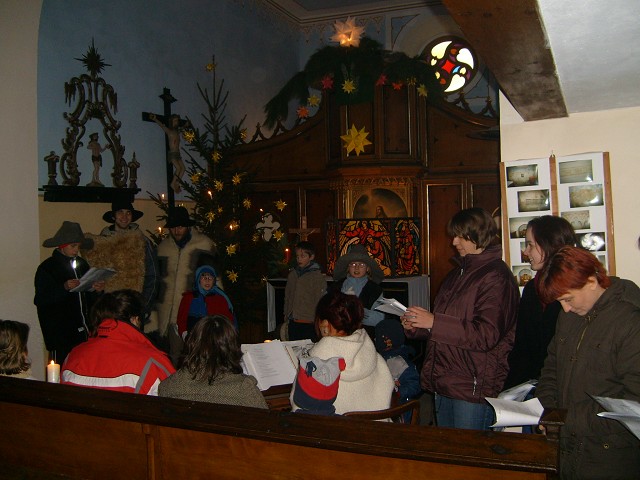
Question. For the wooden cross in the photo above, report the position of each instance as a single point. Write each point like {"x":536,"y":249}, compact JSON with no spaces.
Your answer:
{"x":165,"y":120}
{"x":303,"y":232}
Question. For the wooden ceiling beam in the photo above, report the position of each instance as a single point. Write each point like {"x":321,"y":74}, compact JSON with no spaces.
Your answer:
{"x":510,"y":39}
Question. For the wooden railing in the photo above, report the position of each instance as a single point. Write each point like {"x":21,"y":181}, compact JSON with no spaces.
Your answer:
{"x":51,"y":429}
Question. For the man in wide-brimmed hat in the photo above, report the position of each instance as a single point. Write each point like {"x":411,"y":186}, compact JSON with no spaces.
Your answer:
{"x":63,"y":314}
{"x":179,"y":256}
{"x":129,"y":252}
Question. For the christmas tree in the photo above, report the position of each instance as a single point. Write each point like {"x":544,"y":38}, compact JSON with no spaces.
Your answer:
{"x":250,"y":246}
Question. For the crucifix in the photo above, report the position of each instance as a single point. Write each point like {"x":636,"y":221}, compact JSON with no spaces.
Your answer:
{"x":171,"y":124}
{"x":303,"y":232}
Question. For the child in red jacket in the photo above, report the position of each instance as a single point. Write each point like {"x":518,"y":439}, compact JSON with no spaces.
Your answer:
{"x":205,"y":299}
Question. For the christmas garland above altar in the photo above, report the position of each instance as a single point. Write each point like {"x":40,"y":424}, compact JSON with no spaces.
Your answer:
{"x":351,"y":70}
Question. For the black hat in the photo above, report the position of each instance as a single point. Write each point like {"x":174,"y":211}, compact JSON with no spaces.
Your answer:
{"x":69,"y":232}
{"x":116,"y":205}
{"x":357,"y":253}
{"x":178,"y":217}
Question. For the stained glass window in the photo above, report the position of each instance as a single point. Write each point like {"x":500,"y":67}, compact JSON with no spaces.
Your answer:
{"x":454,"y":61}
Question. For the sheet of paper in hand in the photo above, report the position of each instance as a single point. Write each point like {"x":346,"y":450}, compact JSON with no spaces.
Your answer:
{"x":510,"y":413}
{"x":92,"y":276}
{"x":392,"y":306}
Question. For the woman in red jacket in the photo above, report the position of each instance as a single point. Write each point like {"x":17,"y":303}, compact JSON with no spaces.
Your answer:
{"x":472,"y":327}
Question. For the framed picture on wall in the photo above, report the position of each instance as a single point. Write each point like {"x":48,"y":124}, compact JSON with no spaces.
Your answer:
{"x":370,"y":201}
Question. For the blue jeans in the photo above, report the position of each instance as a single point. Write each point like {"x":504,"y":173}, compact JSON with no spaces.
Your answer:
{"x":461,"y":414}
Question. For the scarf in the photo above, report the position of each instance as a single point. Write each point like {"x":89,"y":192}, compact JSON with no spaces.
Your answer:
{"x":354,"y":286}
{"x":198,"y":308}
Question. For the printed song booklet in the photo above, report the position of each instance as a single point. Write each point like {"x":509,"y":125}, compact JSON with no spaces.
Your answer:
{"x":392,"y":306}
{"x":274,"y":363}
{"x":92,"y":276}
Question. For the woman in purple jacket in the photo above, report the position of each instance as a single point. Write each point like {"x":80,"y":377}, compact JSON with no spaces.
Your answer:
{"x":471,"y":329}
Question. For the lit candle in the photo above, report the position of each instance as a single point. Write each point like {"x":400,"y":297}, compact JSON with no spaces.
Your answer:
{"x":162,"y":197}
{"x":53,"y":372}
{"x":287,"y":255}
{"x":303,"y":222}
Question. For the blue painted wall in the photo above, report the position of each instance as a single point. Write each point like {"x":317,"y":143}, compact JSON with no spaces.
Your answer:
{"x":151,"y":45}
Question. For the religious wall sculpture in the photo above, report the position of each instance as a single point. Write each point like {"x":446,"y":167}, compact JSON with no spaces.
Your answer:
{"x":95,"y":100}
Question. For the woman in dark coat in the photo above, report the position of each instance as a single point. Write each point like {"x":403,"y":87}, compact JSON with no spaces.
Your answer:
{"x":63,"y":314}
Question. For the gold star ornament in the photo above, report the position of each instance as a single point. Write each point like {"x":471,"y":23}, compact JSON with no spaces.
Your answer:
{"x":236,"y":179}
{"x":348,"y":86}
{"x":246,"y":203}
{"x":278,"y":235}
{"x":189,"y":136}
{"x":355,"y":140}
{"x":232,"y":276}
{"x":280,"y":204}
{"x":231,"y":249}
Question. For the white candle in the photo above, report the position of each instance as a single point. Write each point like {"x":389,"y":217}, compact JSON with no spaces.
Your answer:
{"x":53,"y":372}
{"x":303,"y":222}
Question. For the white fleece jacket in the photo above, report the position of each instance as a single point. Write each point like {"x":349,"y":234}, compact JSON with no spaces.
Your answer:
{"x":365,"y":383}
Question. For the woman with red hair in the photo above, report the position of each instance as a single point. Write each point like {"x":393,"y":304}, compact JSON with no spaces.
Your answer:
{"x":595,"y":351}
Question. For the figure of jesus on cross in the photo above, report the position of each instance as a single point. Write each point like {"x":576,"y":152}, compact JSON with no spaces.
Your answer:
{"x":172,"y":125}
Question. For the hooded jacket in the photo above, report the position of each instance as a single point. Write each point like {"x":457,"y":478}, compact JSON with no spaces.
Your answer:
{"x":474,"y":328}
{"x":596,"y":354}
{"x":215,"y":301}
{"x":365,"y":383}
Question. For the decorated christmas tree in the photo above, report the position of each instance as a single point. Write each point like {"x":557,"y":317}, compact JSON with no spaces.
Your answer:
{"x":250,"y":246}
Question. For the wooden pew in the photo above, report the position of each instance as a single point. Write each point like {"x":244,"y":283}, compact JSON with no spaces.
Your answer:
{"x":50,"y":429}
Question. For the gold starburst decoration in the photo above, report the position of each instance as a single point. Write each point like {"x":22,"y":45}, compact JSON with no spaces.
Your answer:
{"x":246,"y":203}
{"x":348,"y":86}
{"x":218,"y":185}
{"x":211,"y":67}
{"x":280,"y":204}
{"x":313,"y":101}
{"x":422,"y":90}
{"x":211,"y":216}
{"x":278,"y":235}
{"x":243,"y":133}
{"x":220,"y":209}
{"x":231,"y":249}
{"x":236,"y":179}
{"x":256,"y":237}
{"x":215,"y":156}
{"x":355,"y":140}
{"x":232,"y":276}
{"x":189,"y":136}
{"x":195,"y":178}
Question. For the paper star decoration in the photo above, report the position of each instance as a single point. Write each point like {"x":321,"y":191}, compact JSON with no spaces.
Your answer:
{"x":267,"y":226}
{"x":280,"y":204}
{"x":382,"y":80}
{"x":195,"y":178}
{"x":348,"y":86}
{"x":303,"y":112}
{"x":397,"y":85}
{"x":246,"y":203}
{"x":313,"y":101}
{"x":211,"y":67}
{"x":278,"y":235}
{"x":231,"y":249}
{"x":189,"y":136}
{"x":347,"y":33}
{"x":256,"y":237}
{"x":236,"y":179}
{"x":218,"y":185}
{"x":422,"y":90}
{"x":355,"y":140}
{"x":211,"y":216}
{"x":215,"y":156}
{"x":327,"y":82}
{"x":233,"y":276}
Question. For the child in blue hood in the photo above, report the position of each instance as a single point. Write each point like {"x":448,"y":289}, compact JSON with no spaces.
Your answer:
{"x":205,"y":299}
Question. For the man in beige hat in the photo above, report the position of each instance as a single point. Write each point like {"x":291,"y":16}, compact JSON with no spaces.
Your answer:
{"x":63,"y":314}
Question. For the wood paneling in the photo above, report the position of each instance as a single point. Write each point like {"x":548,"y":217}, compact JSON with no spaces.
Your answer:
{"x":510,"y":38}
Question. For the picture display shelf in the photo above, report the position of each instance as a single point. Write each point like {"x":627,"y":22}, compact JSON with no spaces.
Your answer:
{"x":575,"y":187}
